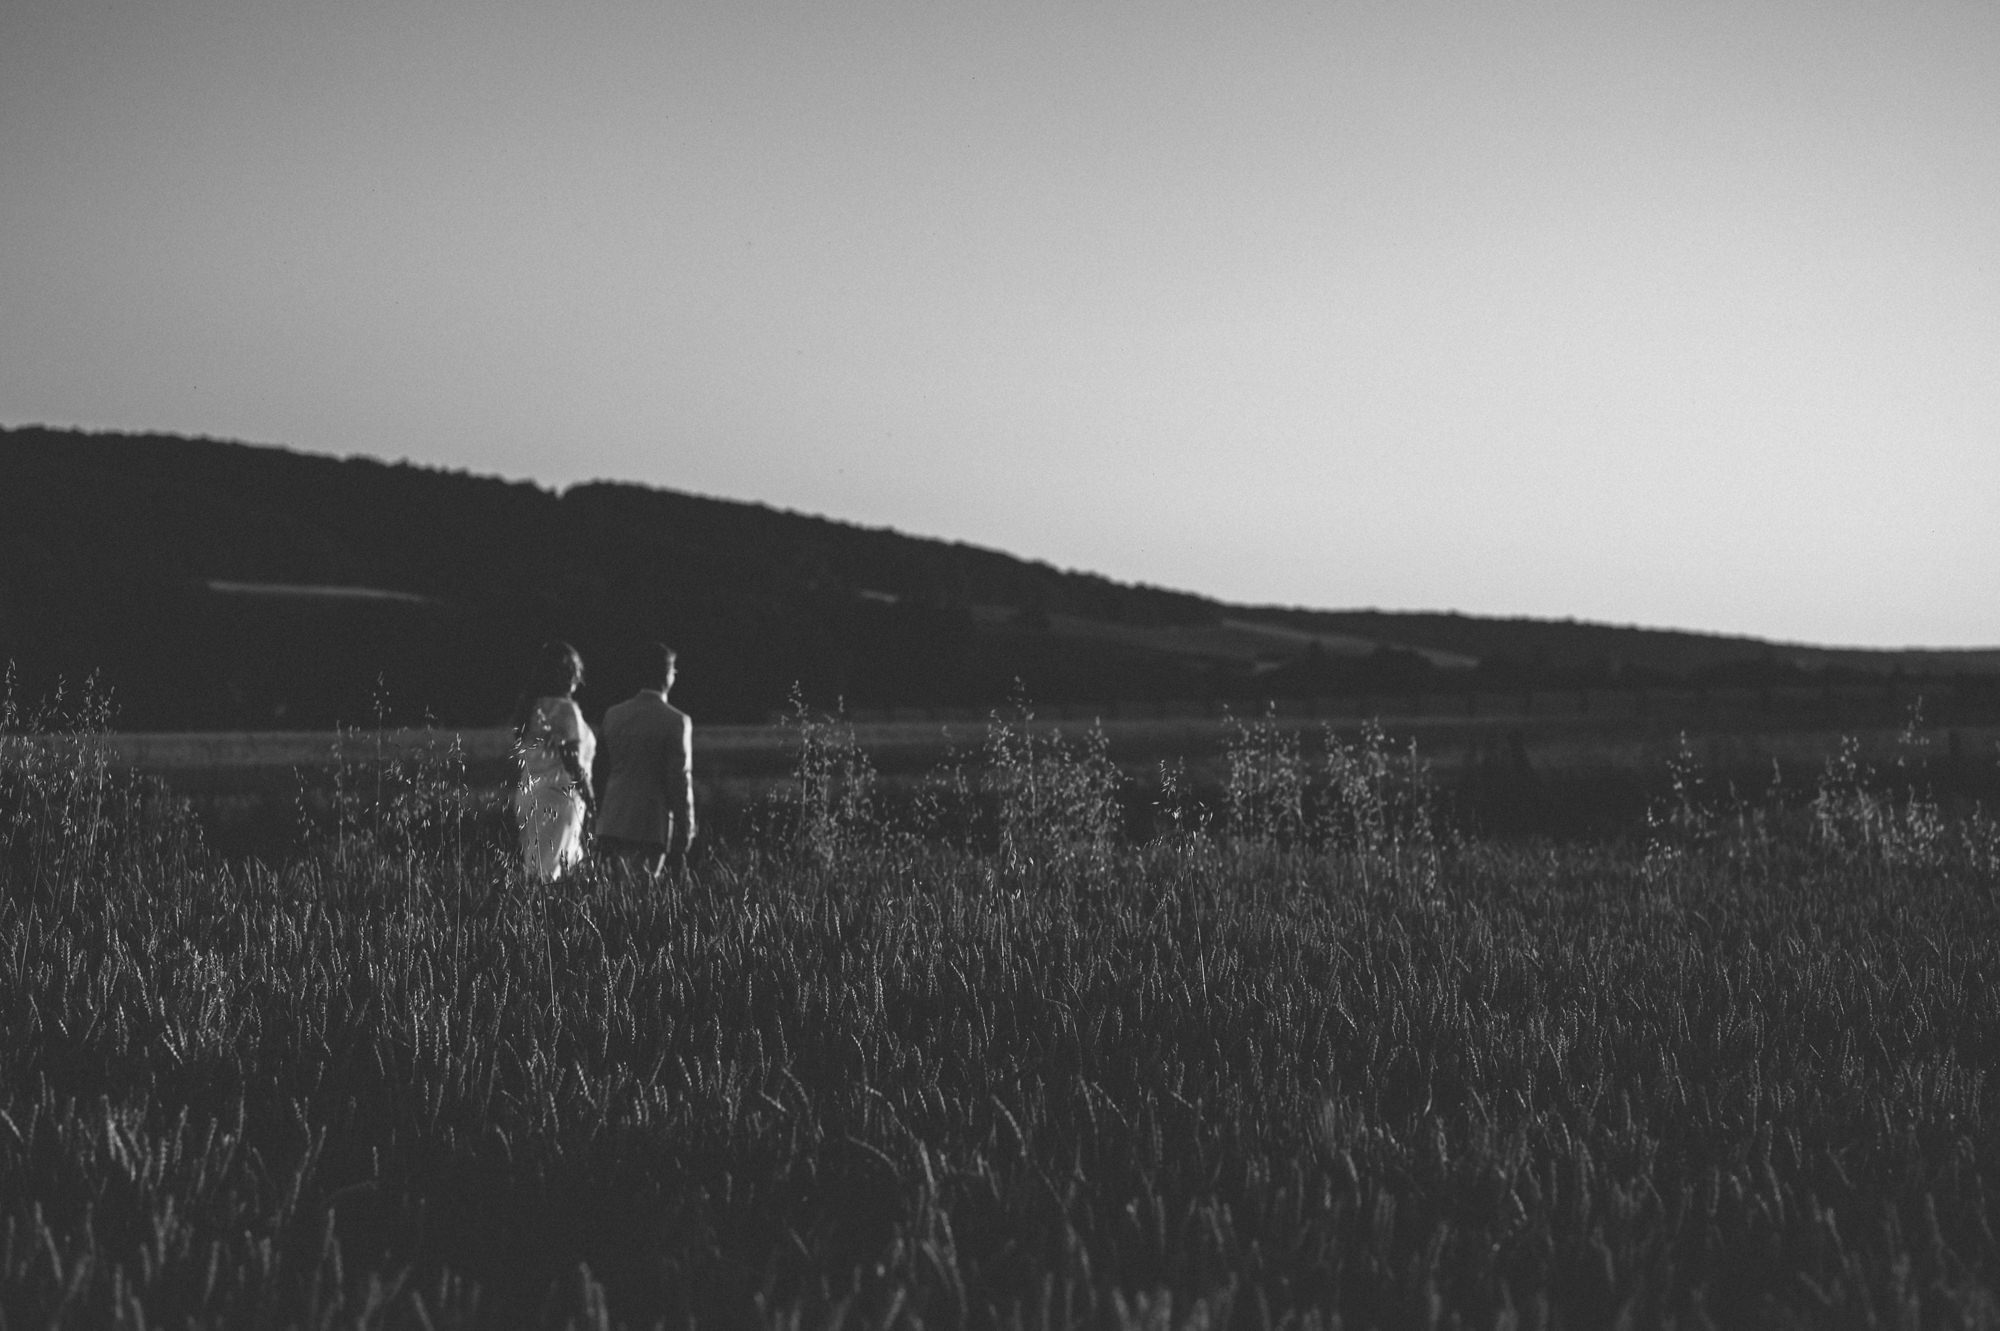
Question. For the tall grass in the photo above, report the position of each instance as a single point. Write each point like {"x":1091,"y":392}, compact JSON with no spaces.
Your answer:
{"x":1301,"y":1058}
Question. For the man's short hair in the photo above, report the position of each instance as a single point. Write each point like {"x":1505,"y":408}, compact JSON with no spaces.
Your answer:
{"x":660,"y":659}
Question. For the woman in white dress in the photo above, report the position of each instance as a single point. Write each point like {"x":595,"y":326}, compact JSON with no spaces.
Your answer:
{"x":554,"y":749}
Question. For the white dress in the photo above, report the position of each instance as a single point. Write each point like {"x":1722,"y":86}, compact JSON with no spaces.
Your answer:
{"x":547,"y":804}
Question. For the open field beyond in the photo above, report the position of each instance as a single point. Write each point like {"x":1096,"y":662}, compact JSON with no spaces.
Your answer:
{"x":1563,"y":764}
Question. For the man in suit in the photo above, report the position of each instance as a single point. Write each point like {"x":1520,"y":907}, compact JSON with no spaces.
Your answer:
{"x":645,"y":820}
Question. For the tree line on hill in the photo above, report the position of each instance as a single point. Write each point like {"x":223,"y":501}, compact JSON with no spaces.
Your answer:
{"x":203,"y":582}
{"x":214,"y":585}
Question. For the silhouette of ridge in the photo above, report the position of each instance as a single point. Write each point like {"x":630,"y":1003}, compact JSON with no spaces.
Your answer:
{"x":214,"y":584}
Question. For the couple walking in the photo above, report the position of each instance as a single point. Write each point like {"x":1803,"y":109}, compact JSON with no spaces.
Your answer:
{"x":646,"y":819}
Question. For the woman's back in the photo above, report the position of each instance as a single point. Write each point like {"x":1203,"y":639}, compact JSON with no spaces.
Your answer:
{"x":551,"y":723}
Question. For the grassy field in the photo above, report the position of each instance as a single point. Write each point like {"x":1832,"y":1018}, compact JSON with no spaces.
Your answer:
{"x":975,"y":1052}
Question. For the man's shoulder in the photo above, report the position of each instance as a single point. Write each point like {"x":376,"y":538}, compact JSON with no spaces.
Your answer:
{"x":646,"y":706}
{"x":633,"y":708}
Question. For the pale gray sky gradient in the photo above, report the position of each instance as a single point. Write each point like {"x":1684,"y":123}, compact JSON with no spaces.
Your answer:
{"x":1685,"y":314}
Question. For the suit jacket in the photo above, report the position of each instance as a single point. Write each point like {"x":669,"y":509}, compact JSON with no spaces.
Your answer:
{"x":647,"y":749}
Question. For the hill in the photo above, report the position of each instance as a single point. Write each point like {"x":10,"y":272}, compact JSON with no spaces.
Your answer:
{"x":217,"y":584}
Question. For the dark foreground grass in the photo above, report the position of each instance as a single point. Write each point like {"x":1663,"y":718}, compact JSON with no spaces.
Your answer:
{"x":1249,"y":1075}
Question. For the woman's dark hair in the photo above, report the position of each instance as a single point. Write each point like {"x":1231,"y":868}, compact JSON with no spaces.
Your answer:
{"x":558,"y":670}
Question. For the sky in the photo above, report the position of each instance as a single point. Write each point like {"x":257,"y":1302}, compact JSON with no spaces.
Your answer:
{"x":1682,"y":314}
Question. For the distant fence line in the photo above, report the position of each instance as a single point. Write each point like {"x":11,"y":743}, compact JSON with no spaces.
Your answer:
{"x":165,"y":751}
{"x":1820,"y":704}
{"x":903,"y":737}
